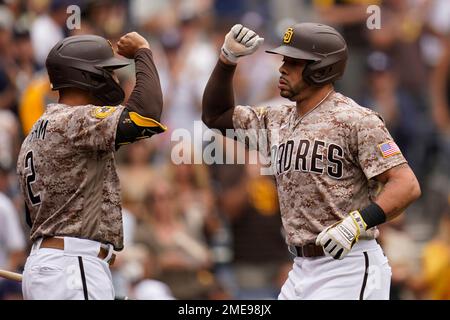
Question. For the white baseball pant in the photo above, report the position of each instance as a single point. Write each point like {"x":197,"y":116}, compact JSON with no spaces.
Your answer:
{"x":364,"y":274}
{"x":75,"y":273}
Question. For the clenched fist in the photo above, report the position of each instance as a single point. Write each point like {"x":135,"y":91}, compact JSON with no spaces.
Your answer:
{"x":130,"y":43}
{"x":338,"y":239}
{"x":239,"y":42}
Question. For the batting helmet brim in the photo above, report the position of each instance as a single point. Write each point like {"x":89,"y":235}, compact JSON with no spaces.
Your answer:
{"x":113,"y":63}
{"x":295,"y":53}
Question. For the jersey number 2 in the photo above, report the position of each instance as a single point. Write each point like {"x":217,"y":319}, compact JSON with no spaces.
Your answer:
{"x":31,"y":178}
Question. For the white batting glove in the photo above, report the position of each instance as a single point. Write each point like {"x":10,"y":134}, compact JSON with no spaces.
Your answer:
{"x":338,"y":239}
{"x":239,"y":42}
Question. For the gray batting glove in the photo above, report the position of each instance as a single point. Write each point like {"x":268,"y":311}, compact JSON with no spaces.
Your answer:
{"x":239,"y":42}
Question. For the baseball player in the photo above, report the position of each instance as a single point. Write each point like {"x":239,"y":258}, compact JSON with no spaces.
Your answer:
{"x":328,"y":156}
{"x":66,"y":164}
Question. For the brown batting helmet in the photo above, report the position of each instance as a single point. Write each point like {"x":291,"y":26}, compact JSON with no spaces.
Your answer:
{"x":86,"y":62}
{"x":321,"y":45}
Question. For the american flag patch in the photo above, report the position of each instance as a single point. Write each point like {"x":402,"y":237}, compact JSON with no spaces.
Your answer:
{"x":389,"y":149}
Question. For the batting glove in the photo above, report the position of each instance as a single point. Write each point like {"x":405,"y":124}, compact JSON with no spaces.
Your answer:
{"x":338,"y":239}
{"x":239,"y":42}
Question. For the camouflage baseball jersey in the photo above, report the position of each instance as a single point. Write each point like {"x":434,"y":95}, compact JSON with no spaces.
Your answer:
{"x":68,"y":177}
{"x":322,"y":161}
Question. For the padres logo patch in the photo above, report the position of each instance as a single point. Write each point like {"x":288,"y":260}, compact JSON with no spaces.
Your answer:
{"x":102,"y":112}
{"x":288,"y":35}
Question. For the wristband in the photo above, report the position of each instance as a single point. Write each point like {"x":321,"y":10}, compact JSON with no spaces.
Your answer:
{"x":373,"y":215}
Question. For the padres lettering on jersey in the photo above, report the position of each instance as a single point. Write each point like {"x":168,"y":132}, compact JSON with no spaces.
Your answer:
{"x":323,"y":162}
{"x":308,"y":156}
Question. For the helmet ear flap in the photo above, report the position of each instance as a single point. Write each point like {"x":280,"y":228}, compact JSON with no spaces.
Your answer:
{"x":314,"y":74}
{"x":309,"y":74}
{"x":109,"y":92}
{"x":322,"y":72}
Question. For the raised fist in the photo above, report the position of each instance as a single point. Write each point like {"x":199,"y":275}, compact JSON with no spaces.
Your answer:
{"x":239,"y":42}
{"x":130,"y":43}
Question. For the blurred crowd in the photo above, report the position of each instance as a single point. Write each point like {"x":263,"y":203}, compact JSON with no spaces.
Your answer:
{"x":196,"y":231}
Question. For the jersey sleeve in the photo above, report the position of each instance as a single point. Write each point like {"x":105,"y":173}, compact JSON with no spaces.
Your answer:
{"x":93,"y":127}
{"x":377,"y":151}
{"x":246,"y":117}
{"x":249,"y":124}
{"x":132,"y":127}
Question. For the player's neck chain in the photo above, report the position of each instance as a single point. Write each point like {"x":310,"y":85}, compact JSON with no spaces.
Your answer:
{"x":299,"y":119}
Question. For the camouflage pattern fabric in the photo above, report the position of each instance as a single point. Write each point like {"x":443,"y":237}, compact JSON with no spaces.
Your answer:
{"x":322,"y":161}
{"x":68,"y":177}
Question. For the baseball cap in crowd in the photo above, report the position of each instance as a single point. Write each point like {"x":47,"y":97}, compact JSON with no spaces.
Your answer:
{"x":378,"y":61}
